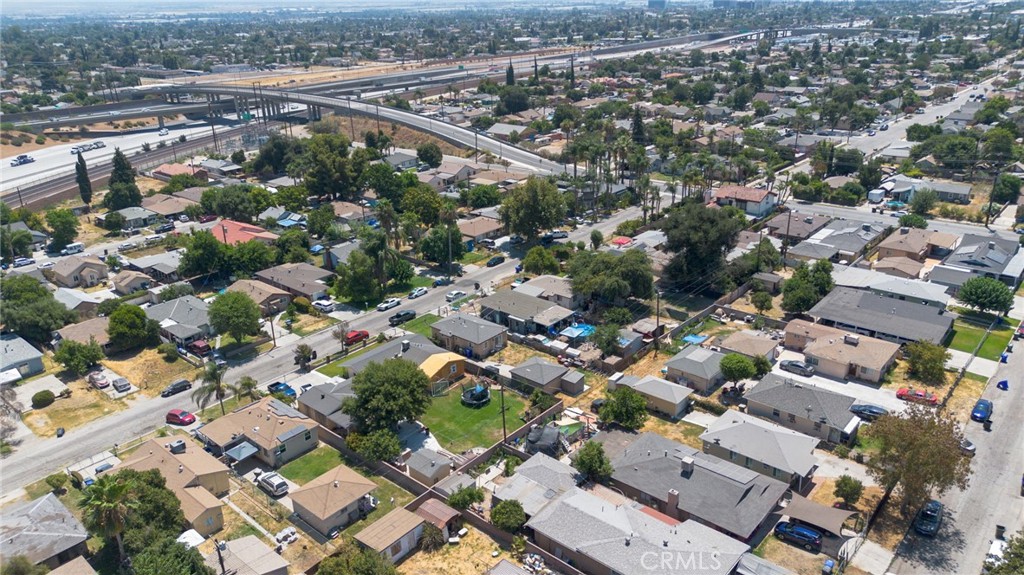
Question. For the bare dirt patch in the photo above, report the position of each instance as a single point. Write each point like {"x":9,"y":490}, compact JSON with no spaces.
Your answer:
{"x":898,"y":378}
{"x":965,"y":395}
{"x":823,"y":494}
{"x":681,"y":431}
{"x":473,"y":554}
{"x":890,"y":527}
{"x":514,"y":354}
{"x":402,"y":136}
{"x":85,"y":404}
{"x":743,"y":304}
{"x":148,"y":371}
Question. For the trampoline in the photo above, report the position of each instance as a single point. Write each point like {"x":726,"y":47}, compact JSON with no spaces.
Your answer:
{"x":695,"y":339}
{"x":476,"y":396}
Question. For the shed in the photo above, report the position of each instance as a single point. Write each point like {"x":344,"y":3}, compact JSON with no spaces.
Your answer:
{"x":394,"y":535}
{"x":440,"y":515}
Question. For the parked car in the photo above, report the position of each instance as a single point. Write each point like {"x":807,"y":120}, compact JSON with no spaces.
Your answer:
{"x":401,"y":317}
{"x":206,"y":218}
{"x":164,"y":228}
{"x":121,"y":385}
{"x":388,"y":304}
{"x":982,"y":410}
{"x":442,"y":282}
{"x":176,"y":388}
{"x":806,"y":537}
{"x":283,"y":388}
{"x":98,"y":380}
{"x":797,"y":367}
{"x":180,"y":417}
{"x":994,"y":557}
{"x":356,"y":336}
{"x":929,"y":518}
{"x":274,"y":484}
{"x":45,"y":265}
{"x":20,"y":262}
{"x":183,"y":218}
{"x":868,"y":412}
{"x":455,"y":294}
{"x":218,"y":359}
{"x":127,"y":246}
{"x":420,"y":291}
{"x":917,"y":396}
{"x":884,"y":127}
{"x":872,"y":132}
{"x":898,"y":213}
{"x":968,"y":448}
{"x":324,"y":305}
{"x":495,"y":261}
{"x":559,"y":234}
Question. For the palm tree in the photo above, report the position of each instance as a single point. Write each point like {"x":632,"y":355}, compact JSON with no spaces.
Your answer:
{"x":388,"y":218}
{"x":106,"y":506}
{"x":213,"y":386}
{"x":246,"y":387}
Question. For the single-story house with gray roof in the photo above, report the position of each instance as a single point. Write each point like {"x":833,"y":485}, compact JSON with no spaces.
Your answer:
{"x":136,"y":217}
{"x":469,"y":335}
{"x":883,"y":317}
{"x":20,"y":356}
{"x":803,"y":407}
{"x":536,"y":482}
{"x":182,"y":320}
{"x":539,"y":373}
{"x":43,"y":531}
{"x":763,"y":447}
{"x":322,"y":404}
{"x":663,"y":396}
{"x":524,"y":314}
{"x":428,"y":466}
{"x":696,"y":367}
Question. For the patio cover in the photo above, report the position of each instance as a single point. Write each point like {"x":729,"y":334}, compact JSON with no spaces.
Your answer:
{"x":827,"y":518}
{"x":571,"y":332}
{"x":241,"y":451}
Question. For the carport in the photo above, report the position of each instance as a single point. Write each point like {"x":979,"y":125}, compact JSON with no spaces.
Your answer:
{"x":815,"y":514}
{"x":242,"y":451}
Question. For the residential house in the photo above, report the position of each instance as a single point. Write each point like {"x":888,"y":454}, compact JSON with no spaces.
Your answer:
{"x":167,"y":207}
{"x":43,"y":531}
{"x":350,"y":213}
{"x":220,"y":168}
{"x":39,"y":239}
{"x":300,"y":279}
{"x":247,"y":555}
{"x":524,"y":314}
{"x":469,"y":335}
{"x":400,"y":161}
{"x":762,"y":446}
{"x":555,"y":289}
{"x":333,"y":500}
{"x":504,"y":131}
{"x":904,"y":187}
{"x":165,"y":172}
{"x":597,"y":535}
{"x":684,"y":483}
{"x":795,"y":226}
{"x":771,"y":281}
{"x":338,"y":254}
{"x":478,"y":229}
{"x":802,"y":407}
{"x":751,"y":344}
{"x":886,"y":318}
{"x":899,"y":267}
{"x":428,"y":466}
{"x":82,"y":303}
{"x":182,"y":320}
{"x":809,"y":252}
{"x":438,"y":363}
{"x":536,"y":482}
{"x":755,"y":202}
{"x":322,"y":404}
{"x":77,"y":566}
{"x":456,"y":172}
{"x":79,"y":271}
{"x":393,"y":536}
{"x":195,"y":477}
{"x":130,"y":281}
{"x":662,"y":396}
{"x":981,"y":256}
{"x":696,"y":367}
{"x":162,"y":267}
{"x":849,"y":239}
{"x":839,"y":354}
{"x":94,"y":329}
{"x":879,"y":283}
{"x":19,"y":356}
{"x":233,"y":233}
{"x":916,"y":244}
{"x":137,"y":217}
{"x":539,"y":373}
{"x":716,"y":113}
{"x":270,"y":299}
{"x":267,"y":428}
{"x":629,"y":342}
{"x":440,"y":515}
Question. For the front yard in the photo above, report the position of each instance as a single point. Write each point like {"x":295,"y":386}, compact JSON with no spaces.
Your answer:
{"x":85,"y":405}
{"x":421,"y":324}
{"x":967,"y":336}
{"x":149,"y":371}
{"x":458,"y":428}
{"x":311,"y":465}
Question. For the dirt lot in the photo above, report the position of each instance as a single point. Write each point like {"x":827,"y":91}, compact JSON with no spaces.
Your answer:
{"x":402,"y":136}
{"x":470,"y":556}
{"x":85,"y":404}
{"x":743,"y":304}
{"x":965,"y":395}
{"x":148,"y":371}
{"x":514,"y":354}
{"x":650,"y":364}
{"x":681,"y":431}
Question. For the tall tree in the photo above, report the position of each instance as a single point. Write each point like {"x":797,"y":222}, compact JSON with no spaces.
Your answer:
{"x":246,"y":388}
{"x":625,"y":407}
{"x":533,"y":207}
{"x":430,"y":154}
{"x":736,"y":367}
{"x":105,"y":507}
{"x":592,"y":462}
{"x":211,"y":387}
{"x":700,"y":237}
{"x":122,"y":171}
{"x":236,"y":314}
{"x":985,"y":294}
{"x":387,"y":394}
{"x":510,"y":75}
{"x":77,"y":357}
{"x":82,"y":179}
{"x":63,"y":227}
{"x":204,"y":255}
{"x":30,"y":310}
{"x":169,"y":557}
{"x":130,"y":328}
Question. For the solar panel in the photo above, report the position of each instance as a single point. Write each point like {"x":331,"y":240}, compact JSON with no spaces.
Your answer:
{"x":727,"y":470}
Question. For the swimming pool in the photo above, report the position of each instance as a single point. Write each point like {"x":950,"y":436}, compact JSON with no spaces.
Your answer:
{"x":586,"y":330}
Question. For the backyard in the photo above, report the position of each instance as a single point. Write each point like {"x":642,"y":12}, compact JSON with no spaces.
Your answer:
{"x":458,"y":428}
{"x":471,"y":556}
{"x":421,"y":324}
{"x":311,"y":465}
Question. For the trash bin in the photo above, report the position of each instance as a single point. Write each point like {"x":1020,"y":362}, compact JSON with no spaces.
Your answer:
{"x":828,"y":567}
{"x":987,"y":425}
{"x":1000,"y":531}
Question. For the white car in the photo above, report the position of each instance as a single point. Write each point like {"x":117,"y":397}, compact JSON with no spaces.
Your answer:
{"x":163,"y":132}
{"x":45,"y":265}
{"x":324,"y":305}
{"x":420,"y":291}
{"x":388,"y":304}
{"x":454,"y":295}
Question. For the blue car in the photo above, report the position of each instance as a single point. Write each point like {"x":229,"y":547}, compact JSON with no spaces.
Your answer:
{"x":809,"y":539}
{"x":281,"y":387}
{"x":982,"y":410}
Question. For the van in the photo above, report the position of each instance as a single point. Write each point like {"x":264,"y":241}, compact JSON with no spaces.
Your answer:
{"x":274,"y":484}
{"x":73,"y":248}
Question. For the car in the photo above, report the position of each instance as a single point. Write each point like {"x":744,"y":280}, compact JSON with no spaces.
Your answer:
{"x":968,"y":448}
{"x":20,"y":262}
{"x":868,"y":412}
{"x":486,"y":243}
{"x":442,"y":282}
{"x":929,"y":518}
{"x":22,"y":159}
{"x":982,"y":410}
{"x":495,"y":261}
{"x":872,"y":132}
{"x":176,"y":388}
{"x":280,"y":387}
{"x":806,"y":537}
{"x":218,"y":359}
{"x":180,"y":417}
{"x":547,"y":238}
{"x":45,"y":265}
{"x":164,"y":228}
{"x":121,"y":385}
{"x":560,"y":234}
{"x":98,"y":144}
{"x":917,"y":396}
{"x":994,"y":557}
{"x":163,"y":132}
{"x":898,"y":213}
{"x":388,"y":304}
{"x":206,"y":218}
{"x":919,"y":111}
{"x":98,"y":380}
{"x":420,"y":291}
{"x":103,"y":467}
{"x":455,"y":294}
{"x":401,"y":317}
{"x":356,"y":336}
{"x":516,"y":240}
{"x":884,"y":127}
{"x":273,"y":483}
{"x":183,"y":218}
{"x":797,"y":367}
{"x":324,"y":305}
{"x":127,"y":246}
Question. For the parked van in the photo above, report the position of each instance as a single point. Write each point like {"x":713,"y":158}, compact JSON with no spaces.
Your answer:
{"x":200,"y":348}
{"x":73,"y":248}
{"x":274,"y":484}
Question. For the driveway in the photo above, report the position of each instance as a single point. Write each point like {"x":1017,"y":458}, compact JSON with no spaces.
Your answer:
{"x":862,"y":392}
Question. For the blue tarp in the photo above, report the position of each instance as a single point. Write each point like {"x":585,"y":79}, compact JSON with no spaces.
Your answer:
{"x":696,"y":339}
{"x":572,"y":332}
{"x":241,"y":451}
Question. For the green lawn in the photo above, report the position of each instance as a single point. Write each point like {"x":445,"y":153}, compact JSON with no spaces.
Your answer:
{"x":474,"y":257}
{"x":459,"y":428}
{"x":421,"y":324}
{"x":966,"y":337}
{"x":385,"y":492}
{"x":311,"y":465}
{"x":400,"y":290}
{"x":334,"y":368}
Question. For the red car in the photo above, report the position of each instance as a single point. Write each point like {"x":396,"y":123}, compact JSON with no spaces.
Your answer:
{"x":180,"y":417}
{"x":206,"y":218}
{"x":917,"y":396}
{"x":356,"y":336}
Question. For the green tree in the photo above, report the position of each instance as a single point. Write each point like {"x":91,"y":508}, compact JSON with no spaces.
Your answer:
{"x":14,"y":244}
{"x":508,"y":515}
{"x":985,"y":294}
{"x":919,"y":451}
{"x":63,"y":227}
{"x":807,"y":286}
{"x":596,"y":239}
{"x":204,"y":255}
{"x":320,"y":220}
{"x":513,"y":99}
{"x":78,"y":357}
{"x":618,"y":316}
{"x":923,"y":201}
{"x":761,"y":366}
{"x":211,"y":387}
{"x":303,"y":356}
{"x":57,"y":481}
{"x":106,"y":505}
{"x":357,"y":278}
{"x":1013,"y":558}
{"x":246,"y":388}
{"x":236,"y":314}
{"x":356,"y":562}
{"x":122,"y":171}
{"x":168,"y":557}
{"x":762,"y":301}
{"x":249,"y":257}
{"x":465,"y":496}
{"x":848,"y":489}
{"x":82,"y":179}
{"x":606,"y":338}
{"x":700,"y":237}
{"x":483,"y":196}
{"x":913,"y":221}
{"x":430,"y":154}
{"x":379,"y":445}
{"x":533,"y":207}
{"x":423,"y":201}
{"x":626,"y":407}
{"x":1006,"y":189}
{"x":114,"y":222}
{"x":387,"y":394}
{"x":432,"y":538}
{"x":122,"y":196}
{"x":174,"y":291}
{"x":238,"y":157}
{"x":20,"y":565}
{"x":736,"y":367}
{"x":30,"y":310}
{"x":157,"y":515}
{"x":608,"y":277}
{"x":130,"y":328}
{"x":435,"y":245}
{"x":540,"y":261}
{"x":592,"y":462}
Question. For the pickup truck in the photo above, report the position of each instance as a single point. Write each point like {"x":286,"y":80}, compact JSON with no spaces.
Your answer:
{"x":22,"y":159}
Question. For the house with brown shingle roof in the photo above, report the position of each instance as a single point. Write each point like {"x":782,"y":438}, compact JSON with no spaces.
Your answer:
{"x":299,"y":279}
{"x":334,"y":500}
{"x":95,"y":328}
{"x":841,"y":354}
{"x":167,"y":206}
{"x":754,"y":202}
{"x":130,"y":281}
{"x":900,"y":267}
{"x":906,"y":242}
{"x":272,"y":431}
{"x":270,"y":299}
{"x":75,"y":271}
{"x":480,"y":228}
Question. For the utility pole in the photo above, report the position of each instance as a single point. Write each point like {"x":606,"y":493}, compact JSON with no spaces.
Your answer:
{"x":504,"y":432}
{"x":657,"y":322}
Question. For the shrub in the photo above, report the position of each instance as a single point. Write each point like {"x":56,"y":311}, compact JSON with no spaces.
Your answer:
{"x":169,"y":351}
{"x":302,"y":304}
{"x":463,"y":497}
{"x":508,"y":516}
{"x":842,"y":451}
{"x":40,"y":140}
{"x":57,"y":481}
{"x":628,"y":228}
{"x":709,"y":406}
{"x":511,"y":463}
{"x":432,"y":538}
{"x":42,"y":399}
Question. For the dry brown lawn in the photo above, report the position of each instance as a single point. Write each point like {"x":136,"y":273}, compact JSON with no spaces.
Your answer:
{"x":964,"y":396}
{"x":898,"y":378}
{"x":681,"y":431}
{"x":743,"y":304}
{"x":305,"y":323}
{"x":147,"y":184}
{"x":514,"y":354}
{"x":890,"y":527}
{"x":472,"y":555}
{"x":89,"y":233}
{"x":650,"y":364}
{"x":148,"y":371}
{"x":304,"y":552}
{"x":85,"y":404}
{"x":822,"y":493}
